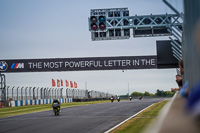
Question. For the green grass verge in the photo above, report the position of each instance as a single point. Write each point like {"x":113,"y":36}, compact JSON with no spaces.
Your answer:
{"x":142,"y":120}
{"x":12,"y":111}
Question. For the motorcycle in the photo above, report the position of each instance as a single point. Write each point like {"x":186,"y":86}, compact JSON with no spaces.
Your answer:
{"x":130,"y":98}
{"x":140,"y":97}
{"x":112,"y":99}
{"x":118,"y":99}
{"x":56,"y":108}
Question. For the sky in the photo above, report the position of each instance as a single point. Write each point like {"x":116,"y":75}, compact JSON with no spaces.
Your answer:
{"x":39,"y":29}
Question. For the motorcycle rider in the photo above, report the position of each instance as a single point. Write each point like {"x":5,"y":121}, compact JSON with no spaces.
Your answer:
{"x":57,"y":103}
{"x":140,"y":97}
{"x":112,"y":98}
{"x":118,"y":98}
{"x":130,"y":98}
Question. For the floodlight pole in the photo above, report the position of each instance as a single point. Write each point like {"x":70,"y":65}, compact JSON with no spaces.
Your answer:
{"x":128,"y":89}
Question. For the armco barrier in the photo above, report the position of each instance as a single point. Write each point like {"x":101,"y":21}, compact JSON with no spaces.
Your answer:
{"x":37,"y":102}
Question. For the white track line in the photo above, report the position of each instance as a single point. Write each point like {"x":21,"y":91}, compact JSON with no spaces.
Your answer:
{"x":127,"y":119}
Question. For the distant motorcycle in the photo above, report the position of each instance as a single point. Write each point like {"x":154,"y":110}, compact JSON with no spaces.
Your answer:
{"x":118,"y":99}
{"x":130,"y":98}
{"x":112,"y":99}
{"x":140,"y":97}
{"x":56,"y":108}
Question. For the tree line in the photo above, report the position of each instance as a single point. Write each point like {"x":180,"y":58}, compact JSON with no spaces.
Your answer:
{"x":159,"y":93}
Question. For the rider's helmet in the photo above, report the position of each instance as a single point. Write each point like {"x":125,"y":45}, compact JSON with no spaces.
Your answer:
{"x":55,"y":101}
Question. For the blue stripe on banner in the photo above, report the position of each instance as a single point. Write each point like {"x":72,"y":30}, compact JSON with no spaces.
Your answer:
{"x":35,"y":102}
{"x":13,"y":65}
{"x":26,"y":102}
{"x":31,"y":102}
{"x":16,"y":103}
{"x":43,"y":101}
{"x":39,"y":102}
{"x":46,"y":101}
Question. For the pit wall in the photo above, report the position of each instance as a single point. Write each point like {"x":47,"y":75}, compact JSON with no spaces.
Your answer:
{"x":17,"y":103}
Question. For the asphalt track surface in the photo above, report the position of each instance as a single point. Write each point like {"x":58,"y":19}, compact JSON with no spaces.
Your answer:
{"x":96,"y":118}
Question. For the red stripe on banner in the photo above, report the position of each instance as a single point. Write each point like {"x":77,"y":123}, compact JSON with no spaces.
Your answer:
{"x":16,"y":65}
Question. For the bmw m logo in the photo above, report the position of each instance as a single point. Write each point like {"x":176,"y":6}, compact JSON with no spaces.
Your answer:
{"x":3,"y":66}
{"x":17,"y":65}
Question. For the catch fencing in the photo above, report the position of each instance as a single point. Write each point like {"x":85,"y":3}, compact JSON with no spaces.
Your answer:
{"x":32,"y":93}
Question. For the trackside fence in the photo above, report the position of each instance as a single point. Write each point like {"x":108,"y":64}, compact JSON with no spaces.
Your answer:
{"x":21,"y":95}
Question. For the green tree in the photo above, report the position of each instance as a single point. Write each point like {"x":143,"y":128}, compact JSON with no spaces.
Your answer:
{"x":136,"y":94}
{"x":158,"y":93}
{"x":170,"y":94}
{"x":146,"y":93}
{"x":161,"y":93}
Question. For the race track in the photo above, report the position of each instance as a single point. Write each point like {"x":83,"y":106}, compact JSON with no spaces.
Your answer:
{"x":96,"y":118}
